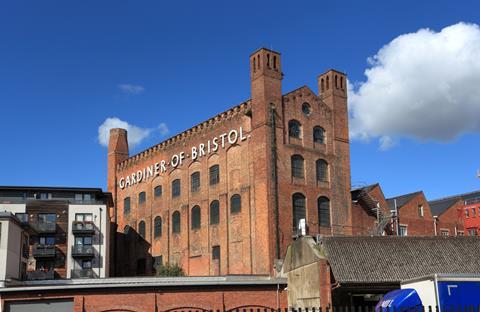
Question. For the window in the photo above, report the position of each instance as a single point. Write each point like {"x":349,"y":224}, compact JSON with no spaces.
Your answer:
{"x":196,"y":218}
{"x":157,"y":261}
{"x":323,"y":205}
{"x":142,"y":197}
{"x":306,"y":109}
{"x":141,"y":228}
{"x":126,"y":205}
{"x":235,"y":203}
{"x":195,"y":181}
{"x":322,"y":170}
{"x":403,"y":230}
{"x":466,"y":213}
{"x":83,"y":240}
{"x":46,"y":240}
{"x":214,"y":174}
{"x":157,"y":227}
{"x":420,"y":210}
{"x":473,"y":213}
{"x":294,"y":129}
{"x":472,"y":232}
{"x":216,"y":253}
{"x":23,"y":217}
{"x":299,"y":212}
{"x":176,"y":188}
{"x":83,"y":217}
{"x":47,"y":218}
{"x":444,"y":232}
{"x":297,"y":166}
{"x":214,"y":212}
{"x":86,"y":264}
{"x":176,"y":222}
{"x":157,"y":191}
{"x":318,"y":135}
{"x":461,"y":233}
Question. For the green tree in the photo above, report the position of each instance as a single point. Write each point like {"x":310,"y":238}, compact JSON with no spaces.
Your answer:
{"x":168,"y":269}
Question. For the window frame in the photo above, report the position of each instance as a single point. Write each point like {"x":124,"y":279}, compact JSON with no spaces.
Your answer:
{"x":214,"y":217}
{"x":324,"y":212}
{"x":142,"y":227}
{"x":195,"y":181}
{"x":318,"y":139}
{"x":176,"y":224}
{"x":235,"y":205}
{"x":127,"y":210}
{"x":297,"y":165}
{"x":298,"y":215}
{"x":157,"y":227}
{"x":214,"y":174}
{"x":157,"y":191}
{"x":321,"y":166}
{"x":176,"y":188}
{"x":294,"y":129}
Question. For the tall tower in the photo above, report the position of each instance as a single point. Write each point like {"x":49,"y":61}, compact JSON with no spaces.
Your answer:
{"x":332,"y":87}
{"x":117,"y":152}
{"x":266,"y":93}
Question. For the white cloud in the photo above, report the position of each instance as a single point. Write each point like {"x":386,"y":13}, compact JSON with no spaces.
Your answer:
{"x":135,"y":134}
{"x":131,"y":89}
{"x":423,"y":85}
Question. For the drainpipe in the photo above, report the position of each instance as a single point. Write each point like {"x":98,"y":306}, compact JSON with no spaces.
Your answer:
{"x":398,"y":217}
{"x":275,"y":179}
{"x":100,"y":245}
{"x":435,"y":225}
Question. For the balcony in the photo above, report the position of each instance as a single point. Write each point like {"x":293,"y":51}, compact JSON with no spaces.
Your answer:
{"x":45,"y":227}
{"x":43,"y":251}
{"x":83,"y":273}
{"x":40,"y":275}
{"x":83,"y":227}
{"x":83,"y":251}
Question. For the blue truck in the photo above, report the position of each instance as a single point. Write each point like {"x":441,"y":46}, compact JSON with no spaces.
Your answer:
{"x":445,"y":291}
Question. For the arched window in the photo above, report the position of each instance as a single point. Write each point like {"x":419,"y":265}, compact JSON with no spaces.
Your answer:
{"x":318,"y":135}
{"x":176,"y":188}
{"x":214,"y":212}
{"x":254,"y":65}
{"x":126,"y":205}
{"x":322,"y":84}
{"x":196,"y":218}
{"x":323,"y":204}
{"x":341,"y":82}
{"x":157,"y":191}
{"x":157,"y":227}
{"x":176,"y":222}
{"x":214,"y":174}
{"x":297,"y":166}
{"x":268,"y":60}
{"x":328,"y":82}
{"x":235,"y":203}
{"x":274,"y":62}
{"x":195,"y":181}
{"x":336,"y":82}
{"x":299,"y":211}
{"x":258,"y":60}
{"x":142,"y":197}
{"x":294,"y":129}
{"x":322,"y":170}
{"x":141,"y":228}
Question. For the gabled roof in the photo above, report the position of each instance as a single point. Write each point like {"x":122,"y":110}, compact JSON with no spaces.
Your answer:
{"x":464,"y":196}
{"x":357,"y":191}
{"x":438,"y":207}
{"x":401,"y":200}
{"x":391,"y":259}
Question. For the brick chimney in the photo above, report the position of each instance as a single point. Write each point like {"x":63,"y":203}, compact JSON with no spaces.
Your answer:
{"x":117,"y":152}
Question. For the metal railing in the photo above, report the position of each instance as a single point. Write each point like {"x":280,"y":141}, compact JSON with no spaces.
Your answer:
{"x":44,"y":227}
{"x":82,"y":251}
{"x":83,"y":227}
{"x":40,"y":275}
{"x":83,"y":273}
{"x":43,"y":251}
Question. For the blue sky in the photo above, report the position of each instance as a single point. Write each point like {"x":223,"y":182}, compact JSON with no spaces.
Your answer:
{"x":67,"y":66}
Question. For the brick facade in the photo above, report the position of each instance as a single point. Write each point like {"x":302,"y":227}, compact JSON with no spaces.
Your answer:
{"x":365,"y":201}
{"x":256,"y":166}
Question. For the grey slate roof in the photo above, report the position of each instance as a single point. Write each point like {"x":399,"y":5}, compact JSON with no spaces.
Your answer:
{"x":401,"y":200}
{"x":355,"y":192}
{"x":391,"y":259}
{"x":440,"y":206}
{"x":464,"y":196}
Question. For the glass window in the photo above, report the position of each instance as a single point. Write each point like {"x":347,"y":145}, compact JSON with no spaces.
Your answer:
{"x":157,"y":192}
{"x":23,"y":217}
{"x":141,"y":228}
{"x":306,"y":109}
{"x":47,"y":217}
{"x":294,"y":129}
{"x":83,"y":217}
{"x":157,"y":227}
{"x":176,"y":222}
{"x":235,"y":203}
{"x":78,"y":198}
{"x":142,"y":197}
{"x":466,"y":213}
{"x":126,"y":205}
{"x":323,"y":204}
{"x":444,"y":232}
{"x":196,"y":218}
{"x":214,"y":212}
{"x":214,"y":174}
{"x":420,"y":210}
{"x":216,"y":253}
{"x":195,"y":181}
{"x":83,"y":240}
{"x":473,"y":213}
{"x":297,"y":166}
{"x":86,"y":264}
{"x":322,"y":170}
{"x":46,"y":240}
{"x":319,"y":135}
{"x":87,"y":198}
{"x":176,"y":188}
{"x":403,"y":230}
{"x":299,"y":211}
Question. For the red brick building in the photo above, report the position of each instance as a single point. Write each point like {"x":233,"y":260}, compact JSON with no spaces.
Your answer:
{"x":226,"y":196}
{"x":448,"y":216}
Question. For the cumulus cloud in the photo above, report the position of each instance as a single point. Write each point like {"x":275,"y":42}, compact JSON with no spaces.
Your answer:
{"x":135,"y":134}
{"x":131,"y":89}
{"x":423,"y":85}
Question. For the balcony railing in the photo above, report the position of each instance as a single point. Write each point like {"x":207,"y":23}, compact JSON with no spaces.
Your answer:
{"x":45,"y":227}
{"x":83,"y":227}
{"x":43,"y":251}
{"x":41,"y":275}
{"x":82,"y":251}
{"x":83,"y":273}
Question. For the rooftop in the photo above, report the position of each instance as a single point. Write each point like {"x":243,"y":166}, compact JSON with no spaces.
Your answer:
{"x":438,"y":207}
{"x":401,"y":200}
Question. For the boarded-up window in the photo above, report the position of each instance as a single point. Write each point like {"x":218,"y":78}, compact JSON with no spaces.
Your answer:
{"x":176,"y":188}
{"x":299,"y":211}
{"x":294,"y":129}
{"x":214,"y":212}
{"x":323,"y":211}
{"x":319,"y":135}
{"x":195,"y":181}
{"x":141,"y":228}
{"x":176,"y":222}
{"x":214,"y":173}
{"x":297,"y":166}
{"x":235,"y":203}
{"x":157,"y":227}
{"x":196,"y":218}
{"x":322,"y":170}
{"x":126,"y":205}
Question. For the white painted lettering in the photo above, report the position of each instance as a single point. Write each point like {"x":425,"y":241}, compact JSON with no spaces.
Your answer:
{"x":121,"y":183}
{"x":232,"y":139}
{"x":215,"y":144}
{"x":222,"y":136}
{"x":194,"y":153}
{"x":201,"y":149}
{"x":162,"y":165}
{"x":242,"y":138}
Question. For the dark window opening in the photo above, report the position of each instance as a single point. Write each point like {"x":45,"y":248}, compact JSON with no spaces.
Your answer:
{"x":195,"y":181}
{"x":216,"y":253}
{"x":141,"y":228}
{"x":319,"y":135}
{"x":176,"y":188}
{"x":157,"y":227}
{"x":297,"y":166}
{"x":126,"y":206}
{"x":142,"y":197}
{"x":196,"y":218}
{"x":294,"y":129}
{"x":323,"y":204}
{"x":214,"y":212}
{"x":235,"y":203}
{"x":176,"y":222}
{"x":157,"y":191}
{"x":214,"y":172}
{"x":299,"y":211}
{"x":322,"y":170}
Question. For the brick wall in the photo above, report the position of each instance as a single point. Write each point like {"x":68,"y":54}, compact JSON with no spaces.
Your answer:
{"x":409,"y":215}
